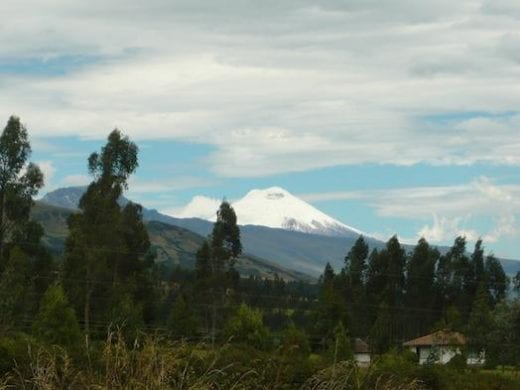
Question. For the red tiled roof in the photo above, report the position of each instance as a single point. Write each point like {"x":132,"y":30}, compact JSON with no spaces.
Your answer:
{"x":360,"y":346}
{"x":441,"y":337}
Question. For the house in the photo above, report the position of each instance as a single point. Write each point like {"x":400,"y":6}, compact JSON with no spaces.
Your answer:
{"x":361,"y":352}
{"x":441,"y":347}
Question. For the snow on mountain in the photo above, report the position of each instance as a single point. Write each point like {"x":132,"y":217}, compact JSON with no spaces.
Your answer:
{"x":272,"y":207}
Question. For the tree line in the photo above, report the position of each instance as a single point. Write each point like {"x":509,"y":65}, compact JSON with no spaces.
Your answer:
{"x":388,"y":296}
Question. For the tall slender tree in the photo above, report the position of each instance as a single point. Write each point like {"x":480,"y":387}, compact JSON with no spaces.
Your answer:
{"x":420,"y":290}
{"x":496,"y":279}
{"x":107,"y":259}
{"x":331,"y":305}
{"x":215,"y":262}
{"x":454,"y":279}
{"x":25,"y":264}
{"x":480,"y":321}
{"x":19,"y":182}
{"x":375,"y":284}
{"x":355,"y":280}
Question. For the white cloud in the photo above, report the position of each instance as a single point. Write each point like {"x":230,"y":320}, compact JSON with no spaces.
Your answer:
{"x":506,"y":225}
{"x":447,"y":211}
{"x":139,"y":186}
{"x":479,"y":197}
{"x":75,"y":180}
{"x":444,"y":229}
{"x":274,"y":87}
{"x":48,"y":169}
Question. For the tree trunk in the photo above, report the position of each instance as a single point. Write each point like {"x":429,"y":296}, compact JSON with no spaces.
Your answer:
{"x":2,"y":233}
{"x":86,"y":312}
{"x":213,"y":322}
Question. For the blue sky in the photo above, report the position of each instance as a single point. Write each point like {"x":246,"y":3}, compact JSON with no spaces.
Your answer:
{"x":394,"y":117}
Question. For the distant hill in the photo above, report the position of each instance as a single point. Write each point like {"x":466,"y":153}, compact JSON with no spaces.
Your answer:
{"x":174,"y":245}
{"x":66,"y":197}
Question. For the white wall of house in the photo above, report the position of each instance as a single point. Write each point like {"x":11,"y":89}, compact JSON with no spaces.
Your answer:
{"x":441,"y":354}
{"x":476,"y":359}
{"x":363,"y":359}
{"x":444,"y":354}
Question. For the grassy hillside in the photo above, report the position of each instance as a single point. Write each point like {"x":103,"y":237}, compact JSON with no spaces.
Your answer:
{"x":175,"y":246}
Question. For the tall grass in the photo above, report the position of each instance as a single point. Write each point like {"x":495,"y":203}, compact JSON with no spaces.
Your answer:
{"x":152,"y":362}
{"x":347,"y":375}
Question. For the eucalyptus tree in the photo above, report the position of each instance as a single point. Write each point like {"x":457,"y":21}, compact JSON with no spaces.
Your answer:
{"x":20,"y":180}
{"x":215,"y":262}
{"x":355,"y":274}
{"x":25,"y":264}
{"x":107,"y":263}
{"x":420,"y":288}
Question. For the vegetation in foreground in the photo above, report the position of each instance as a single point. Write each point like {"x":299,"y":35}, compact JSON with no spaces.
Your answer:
{"x":209,"y":328}
{"x":157,"y":363}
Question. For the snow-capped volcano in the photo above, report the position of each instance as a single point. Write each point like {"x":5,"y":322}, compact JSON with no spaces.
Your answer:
{"x":272,"y":207}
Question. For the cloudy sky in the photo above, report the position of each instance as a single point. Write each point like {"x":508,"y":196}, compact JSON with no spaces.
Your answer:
{"x":397,"y":116}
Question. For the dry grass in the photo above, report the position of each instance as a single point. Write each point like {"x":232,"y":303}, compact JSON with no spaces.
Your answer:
{"x":153,"y":364}
{"x":347,"y":375}
{"x":148,"y":364}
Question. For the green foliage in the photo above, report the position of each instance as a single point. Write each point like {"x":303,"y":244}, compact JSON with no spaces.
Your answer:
{"x":294,"y":342}
{"x":126,"y":315}
{"x":381,"y":333}
{"x":385,"y":291}
{"x":327,"y":278}
{"x":347,"y":375}
{"x":182,"y":321}
{"x":503,"y":341}
{"x":480,"y":321}
{"x":355,"y":284}
{"x":331,"y":306}
{"x":107,"y":249}
{"x":15,"y":351}
{"x":477,"y":263}
{"x":116,"y":162}
{"x":246,"y":326}
{"x":340,"y":346}
{"x":394,"y":364}
{"x":458,"y":362}
{"x":451,"y":320}
{"x":56,"y":322}
{"x":14,"y":289}
{"x":215,"y":272}
{"x":216,"y":257}
{"x":16,"y":189}
{"x":496,"y":279}
{"x":156,"y":363}
{"x":420,"y":289}
{"x":25,"y":264}
{"x":225,"y":239}
{"x":293,"y":353}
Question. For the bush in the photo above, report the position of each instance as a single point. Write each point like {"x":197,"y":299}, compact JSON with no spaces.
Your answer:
{"x":14,"y":351}
{"x":246,"y":326}
{"x":56,"y":322}
{"x":459,"y":362}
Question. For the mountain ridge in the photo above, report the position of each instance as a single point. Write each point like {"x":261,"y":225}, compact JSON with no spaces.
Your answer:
{"x":305,"y":252}
{"x":174,"y":245}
